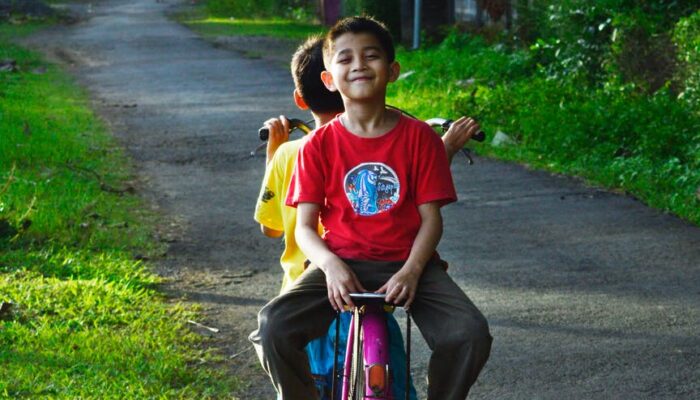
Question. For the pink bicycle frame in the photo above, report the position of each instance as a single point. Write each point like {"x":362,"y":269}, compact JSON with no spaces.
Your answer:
{"x":375,"y":352}
{"x":370,"y":315}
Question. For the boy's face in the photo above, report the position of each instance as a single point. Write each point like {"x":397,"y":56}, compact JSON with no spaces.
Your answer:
{"x":359,"y":67}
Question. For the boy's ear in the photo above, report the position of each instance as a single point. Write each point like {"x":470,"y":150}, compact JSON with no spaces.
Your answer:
{"x":327,"y":79}
{"x":299,"y":101}
{"x":394,"y":71}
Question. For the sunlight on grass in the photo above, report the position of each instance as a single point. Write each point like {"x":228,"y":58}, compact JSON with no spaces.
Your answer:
{"x":85,"y":319}
{"x":645,"y":145}
{"x":253,"y":27}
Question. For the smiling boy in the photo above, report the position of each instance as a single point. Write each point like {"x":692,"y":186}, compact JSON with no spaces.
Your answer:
{"x":377,"y":180}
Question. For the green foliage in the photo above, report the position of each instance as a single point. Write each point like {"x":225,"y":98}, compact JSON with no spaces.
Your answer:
{"x":613,"y":135}
{"x":686,"y":36}
{"x":84,"y":319}
{"x":387,"y":11}
{"x":574,"y":40}
{"x":608,"y":90}
{"x":279,"y":28}
{"x":609,"y":40}
{"x":216,"y":18}
{"x":297,"y":10}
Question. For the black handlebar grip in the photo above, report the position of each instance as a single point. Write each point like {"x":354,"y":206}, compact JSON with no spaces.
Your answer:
{"x":264,"y":134}
{"x":480,"y":136}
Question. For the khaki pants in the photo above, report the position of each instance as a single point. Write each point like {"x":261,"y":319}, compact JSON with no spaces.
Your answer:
{"x":455,"y":330}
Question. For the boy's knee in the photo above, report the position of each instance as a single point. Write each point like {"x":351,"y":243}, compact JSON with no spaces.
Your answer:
{"x":480,"y":328}
{"x":472,"y":331}
{"x":268,"y":326}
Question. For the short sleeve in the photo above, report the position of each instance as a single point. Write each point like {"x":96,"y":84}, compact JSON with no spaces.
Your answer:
{"x":268,"y":209}
{"x":432,"y":176}
{"x":308,"y":180}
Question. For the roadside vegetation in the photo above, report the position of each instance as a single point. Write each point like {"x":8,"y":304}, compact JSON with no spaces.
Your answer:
{"x":263,"y":18}
{"x":80,"y":312}
{"x":607,"y":91}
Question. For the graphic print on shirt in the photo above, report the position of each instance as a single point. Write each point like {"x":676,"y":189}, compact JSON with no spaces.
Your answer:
{"x":372,"y":188}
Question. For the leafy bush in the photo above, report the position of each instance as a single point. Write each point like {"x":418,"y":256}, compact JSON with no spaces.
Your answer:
{"x":612,"y":134}
{"x":299,"y":10}
{"x":686,"y":36}
{"x":608,"y":40}
{"x":387,"y":11}
{"x":574,"y":39}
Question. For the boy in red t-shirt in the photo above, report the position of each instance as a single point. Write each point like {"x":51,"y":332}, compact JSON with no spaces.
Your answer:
{"x":377,"y":180}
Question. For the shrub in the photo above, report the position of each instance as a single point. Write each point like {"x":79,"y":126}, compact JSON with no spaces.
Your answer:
{"x":686,"y":36}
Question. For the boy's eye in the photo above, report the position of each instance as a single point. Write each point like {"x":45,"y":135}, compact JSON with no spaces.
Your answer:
{"x":343,"y":60}
{"x":372,"y":56}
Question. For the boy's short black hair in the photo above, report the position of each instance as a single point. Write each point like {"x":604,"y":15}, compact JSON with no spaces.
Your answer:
{"x":359,"y":24}
{"x":307,"y":65}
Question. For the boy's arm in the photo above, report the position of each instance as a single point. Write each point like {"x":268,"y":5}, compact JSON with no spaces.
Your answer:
{"x":459,"y":133}
{"x":268,"y":207}
{"x":271,"y":233}
{"x":401,"y":287}
{"x":340,"y":279}
{"x":279,"y":133}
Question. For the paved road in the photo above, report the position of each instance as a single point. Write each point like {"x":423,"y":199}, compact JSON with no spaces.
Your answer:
{"x":590,"y":295}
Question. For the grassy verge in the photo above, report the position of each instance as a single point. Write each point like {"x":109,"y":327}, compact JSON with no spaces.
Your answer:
{"x":646,"y":145}
{"x":208,"y":24}
{"x":613,"y":136}
{"x":81,"y":317}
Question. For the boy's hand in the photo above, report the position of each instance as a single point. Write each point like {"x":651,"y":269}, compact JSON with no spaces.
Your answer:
{"x":341,"y":281}
{"x":459,"y":133}
{"x":279,"y":133}
{"x":400,"y":289}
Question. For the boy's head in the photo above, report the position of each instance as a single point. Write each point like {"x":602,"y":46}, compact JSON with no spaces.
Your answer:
{"x":307,"y":65}
{"x":356,"y":25}
{"x":358,"y":53}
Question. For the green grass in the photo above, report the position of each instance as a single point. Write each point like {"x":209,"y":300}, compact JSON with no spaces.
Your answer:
{"x":611,"y":136}
{"x":207,"y":24}
{"x":86,"y":319}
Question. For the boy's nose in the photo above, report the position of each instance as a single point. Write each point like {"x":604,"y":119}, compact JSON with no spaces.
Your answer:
{"x":358,"y":65}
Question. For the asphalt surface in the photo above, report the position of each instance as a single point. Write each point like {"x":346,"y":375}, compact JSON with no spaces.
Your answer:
{"x":589,"y":294}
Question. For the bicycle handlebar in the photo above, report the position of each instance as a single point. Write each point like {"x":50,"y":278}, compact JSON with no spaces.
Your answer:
{"x":294,"y":123}
{"x":446,"y":123}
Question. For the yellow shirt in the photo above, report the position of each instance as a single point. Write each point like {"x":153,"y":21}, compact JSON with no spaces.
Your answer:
{"x":271,"y":211}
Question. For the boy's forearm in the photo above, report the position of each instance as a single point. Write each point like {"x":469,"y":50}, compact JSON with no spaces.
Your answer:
{"x":312,"y":245}
{"x":309,"y":241}
{"x":427,"y":239}
{"x":271,"y":233}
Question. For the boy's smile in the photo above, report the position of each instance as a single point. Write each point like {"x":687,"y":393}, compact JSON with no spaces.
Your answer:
{"x":359,"y":67}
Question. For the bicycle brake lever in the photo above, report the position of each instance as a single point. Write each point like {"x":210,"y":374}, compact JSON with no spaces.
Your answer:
{"x":467,"y":154}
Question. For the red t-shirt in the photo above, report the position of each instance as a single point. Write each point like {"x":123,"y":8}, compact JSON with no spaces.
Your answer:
{"x":369,"y":189}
